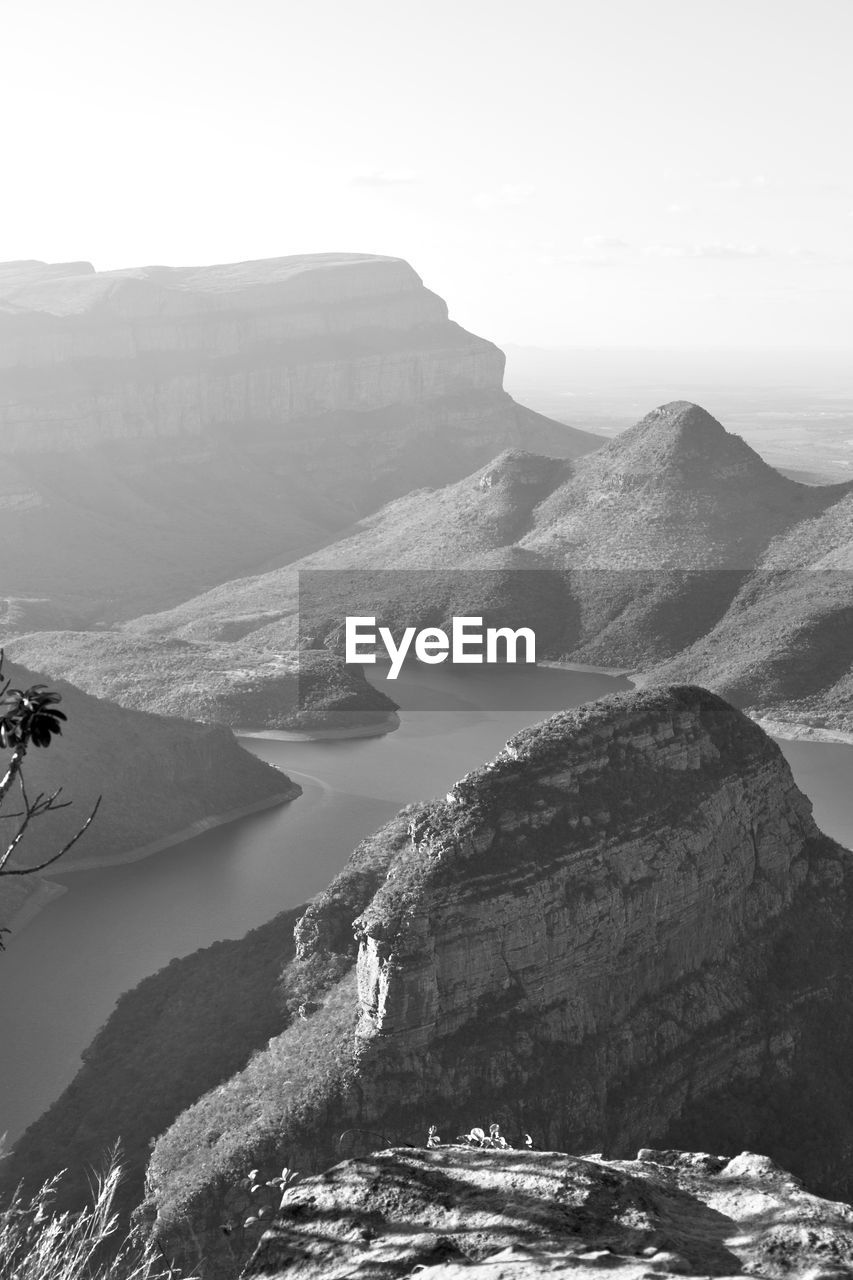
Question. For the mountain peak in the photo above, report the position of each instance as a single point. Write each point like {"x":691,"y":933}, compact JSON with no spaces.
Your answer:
{"x":682,"y":439}
{"x":684,"y":423}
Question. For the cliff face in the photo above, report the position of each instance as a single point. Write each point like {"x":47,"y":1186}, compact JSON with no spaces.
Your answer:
{"x":182,"y":426}
{"x":155,"y":351}
{"x":580,"y":913}
{"x":625,"y":925}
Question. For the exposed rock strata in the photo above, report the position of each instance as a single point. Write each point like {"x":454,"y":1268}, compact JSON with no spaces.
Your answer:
{"x":516,"y":1215}
{"x":176,"y":427}
{"x":626,"y":924}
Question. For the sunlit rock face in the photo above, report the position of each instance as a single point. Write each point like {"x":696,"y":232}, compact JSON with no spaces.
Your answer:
{"x":584,"y":931}
{"x":533,"y":1214}
{"x":185,"y":425}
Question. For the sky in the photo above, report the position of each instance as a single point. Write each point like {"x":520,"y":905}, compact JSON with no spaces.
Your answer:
{"x":659,"y":173}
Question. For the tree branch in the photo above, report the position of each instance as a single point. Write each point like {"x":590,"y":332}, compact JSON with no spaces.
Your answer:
{"x":28,"y":871}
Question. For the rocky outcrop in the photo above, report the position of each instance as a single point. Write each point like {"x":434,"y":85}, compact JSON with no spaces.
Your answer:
{"x":530,"y":1214}
{"x":177,"y":427}
{"x":161,"y":780}
{"x":625,"y":926}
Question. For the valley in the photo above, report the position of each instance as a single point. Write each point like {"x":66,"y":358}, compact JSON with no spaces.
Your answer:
{"x":543,"y":878}
{"x":118,"y":925}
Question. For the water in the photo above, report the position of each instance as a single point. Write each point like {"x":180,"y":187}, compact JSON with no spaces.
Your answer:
{"x":824,"y":771}
{"x":63,"y":973}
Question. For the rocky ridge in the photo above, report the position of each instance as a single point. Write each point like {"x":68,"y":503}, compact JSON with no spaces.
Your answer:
{"x":625,"y":927}
{"x":674,"y":543}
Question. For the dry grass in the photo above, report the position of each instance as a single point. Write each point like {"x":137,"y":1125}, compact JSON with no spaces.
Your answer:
{"x":38,"y":1243}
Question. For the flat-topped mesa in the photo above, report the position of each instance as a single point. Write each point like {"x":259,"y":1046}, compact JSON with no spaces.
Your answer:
{"x":300,"y":286}
{"x":273,"y":319}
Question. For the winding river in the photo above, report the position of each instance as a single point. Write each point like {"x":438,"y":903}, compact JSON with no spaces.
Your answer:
{"x":62,"y":974}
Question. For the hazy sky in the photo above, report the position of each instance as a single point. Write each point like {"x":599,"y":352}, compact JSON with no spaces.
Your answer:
{"x":593,"y":172}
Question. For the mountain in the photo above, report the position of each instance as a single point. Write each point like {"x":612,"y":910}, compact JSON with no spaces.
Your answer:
{"x":212,"y":682}
{"x":171,"y":428}
{"x":625,"y":929}
{"x":624,"y":557}
{"x":161,"y":779}
{"x":527,"y":1215}
{"x":784,"y":649}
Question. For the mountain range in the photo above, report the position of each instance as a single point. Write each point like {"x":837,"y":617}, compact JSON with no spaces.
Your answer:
{"x":673,"y":550}
{"x":171,"y":428}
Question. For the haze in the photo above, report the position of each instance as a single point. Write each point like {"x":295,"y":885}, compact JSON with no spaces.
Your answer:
{"x":621,"y":173}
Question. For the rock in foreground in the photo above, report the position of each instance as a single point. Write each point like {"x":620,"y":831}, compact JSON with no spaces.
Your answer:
{"x":449,"y":1214}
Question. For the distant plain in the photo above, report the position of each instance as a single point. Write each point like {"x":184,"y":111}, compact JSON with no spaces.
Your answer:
{"x":795,"y":408}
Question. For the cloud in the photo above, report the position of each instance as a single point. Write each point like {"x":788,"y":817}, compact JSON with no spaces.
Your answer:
{"x":605,"y":242}
{"x":755,"y":182}
{"x":714,"y":249}
{"x":729,"y":251}
{"x":384,"y":178}
{"x":510,"y":195}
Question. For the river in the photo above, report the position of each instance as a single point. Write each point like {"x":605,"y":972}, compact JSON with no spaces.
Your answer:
{"x":63,"y":972}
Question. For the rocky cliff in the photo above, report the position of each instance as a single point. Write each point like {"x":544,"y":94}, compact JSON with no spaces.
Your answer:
{"x":626,"y":925}
{"x":520,"y":1215}
{"x":176,"y":427}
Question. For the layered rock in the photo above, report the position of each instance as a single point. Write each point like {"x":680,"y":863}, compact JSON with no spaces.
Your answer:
{"x":179,"y":426}
{"x":625,"y":925}
{"x":532,"y":1214}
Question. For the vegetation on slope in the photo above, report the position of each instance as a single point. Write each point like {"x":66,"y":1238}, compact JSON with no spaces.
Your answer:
{"x":177,"y":1034}
{"x":214,"y":683}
